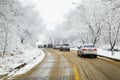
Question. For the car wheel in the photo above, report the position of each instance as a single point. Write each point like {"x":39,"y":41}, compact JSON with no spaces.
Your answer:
{"x":81,"y":55}
{"x":69,"y":50}
{"x":78,"y":54}
{"x":95,"y":56}
{"x":59,"y":49}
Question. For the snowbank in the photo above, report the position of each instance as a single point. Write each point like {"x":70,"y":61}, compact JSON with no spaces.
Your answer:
{"x":109,"y":54}
{"x":30,"y":57}
{"x":74,"y":48}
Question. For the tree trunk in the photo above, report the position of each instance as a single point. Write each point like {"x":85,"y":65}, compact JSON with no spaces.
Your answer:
{"x":5,"y":44}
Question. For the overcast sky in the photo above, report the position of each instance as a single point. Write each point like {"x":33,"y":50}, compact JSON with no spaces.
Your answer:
{"x":53,"y":12}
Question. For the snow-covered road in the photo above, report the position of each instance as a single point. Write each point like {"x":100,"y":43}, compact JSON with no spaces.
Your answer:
{"x":58,"y":65}
{"x":42,"y":73}
{"x":68,"y":66}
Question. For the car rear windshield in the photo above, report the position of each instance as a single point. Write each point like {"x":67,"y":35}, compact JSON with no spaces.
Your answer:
{"x":88,"y":46}
{"x":65,"y":44}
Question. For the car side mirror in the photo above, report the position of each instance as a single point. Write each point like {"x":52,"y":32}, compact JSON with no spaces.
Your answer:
{"x":80,"y":47}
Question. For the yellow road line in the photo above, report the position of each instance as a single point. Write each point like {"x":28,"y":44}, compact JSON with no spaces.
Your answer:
{"x":75,"y":69}
{"x":73,"y":64}
{"x":76,"y":72}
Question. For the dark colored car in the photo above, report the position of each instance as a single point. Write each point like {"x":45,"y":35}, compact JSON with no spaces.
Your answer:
{"x":50,"y":45}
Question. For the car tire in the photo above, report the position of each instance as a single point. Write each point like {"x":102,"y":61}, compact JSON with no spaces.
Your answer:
{"x":69,"y":50}
{"x":78,"y":54}
{"x":59,"y":49}
{"x":95,"y":56}
{"x":81,"y":55}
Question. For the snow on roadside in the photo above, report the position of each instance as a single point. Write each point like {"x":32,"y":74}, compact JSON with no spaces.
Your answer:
{"x":30,"y":56}
{"x":105,"y":53}
{"x":74,"y":48}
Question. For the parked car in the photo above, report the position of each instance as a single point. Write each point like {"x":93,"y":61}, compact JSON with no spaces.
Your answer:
{"x":87,"y":50}
{"x":65,"y":47}
{"x":57,"y":46}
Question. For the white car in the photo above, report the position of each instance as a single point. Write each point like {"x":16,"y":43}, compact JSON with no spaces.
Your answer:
{"x":87,"y":50}
{"x":57,"y":46}
{"x":65,"y":47}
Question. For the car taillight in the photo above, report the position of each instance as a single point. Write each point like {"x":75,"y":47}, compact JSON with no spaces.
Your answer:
{"x":83,"y":49}
{"x":95,"y":49}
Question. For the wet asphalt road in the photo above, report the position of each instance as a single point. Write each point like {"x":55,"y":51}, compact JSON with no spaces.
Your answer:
{"x":68,"y":66}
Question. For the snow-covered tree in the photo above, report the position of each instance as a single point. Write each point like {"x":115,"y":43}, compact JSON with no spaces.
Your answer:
{"x":19,"y":25}
{"x":112,"y":21}
{"x":94,"y":22}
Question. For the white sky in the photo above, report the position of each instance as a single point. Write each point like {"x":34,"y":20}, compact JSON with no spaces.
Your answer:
{"x":53,"y":11}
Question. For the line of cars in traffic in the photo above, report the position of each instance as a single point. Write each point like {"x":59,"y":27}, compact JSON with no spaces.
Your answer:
{"x":63,"y":47}
{"x":84,"y":50}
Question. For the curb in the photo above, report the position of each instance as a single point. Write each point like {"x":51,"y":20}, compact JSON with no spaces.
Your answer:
{"x":109,"y":58}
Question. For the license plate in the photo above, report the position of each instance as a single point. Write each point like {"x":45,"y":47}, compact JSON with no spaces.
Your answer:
{"x":89,"y":50}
